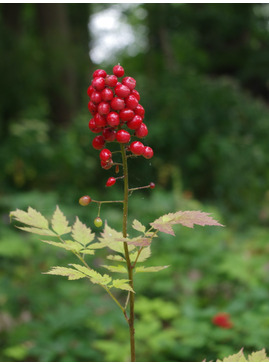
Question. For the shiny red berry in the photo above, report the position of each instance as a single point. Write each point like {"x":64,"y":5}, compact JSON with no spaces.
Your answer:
{"x":117,"y":103}
{"x":123,"y":136}
{"x":135,"y":94}
{"x":130,"y":82}
{"x":107,"y":94}
{"x":137,"y":148}
{"x":103,"y":108}
{"x":135,"y":122}
{"x":148,"y":153}
{"x":126,"y":114}
{"x":118,"y":71}
{"x":113,"y":119}
{"x":92,"y":108}
{"x":110,"y":182}
{"x":98,"y":142}
{"x":90,"y":90}
{"x":122,"y":90}
{"x":84,"y":200}
{"x":100,"y":120}
{"x":98,"y":83}
{"x":105,"y":155}
{"x":107,"y":164}
{"x":93,"y":127}
{"x":96,"y":97}
{"x":140,"y":110}
{"x":111,"y":80}
{"x":99,"y":73}
{"x":142,"y":131}
{"x":109,"y":134}
{"x":152,"y":185}
{"x":131,"y":102}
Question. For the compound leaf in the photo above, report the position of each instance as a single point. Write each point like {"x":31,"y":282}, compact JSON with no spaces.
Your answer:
{"x":122,"y":284}
{"x":185,"y":218}
{"x":138,"y":226}
{"x":59,"y":222}
{"x":94,"y":276}
{"x":31,"y":218}
{"x":150,"y":269}
{"x":81,"y":233}
{"x":115,"y":269}
{"x":72,"y":274}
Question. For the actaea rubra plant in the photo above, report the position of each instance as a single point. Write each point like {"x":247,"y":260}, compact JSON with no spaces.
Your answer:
{"x":119,"y":124}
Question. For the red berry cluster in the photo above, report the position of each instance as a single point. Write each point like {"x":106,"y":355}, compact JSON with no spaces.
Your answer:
{"x":117,"y":114}
{"x":222,"y":320}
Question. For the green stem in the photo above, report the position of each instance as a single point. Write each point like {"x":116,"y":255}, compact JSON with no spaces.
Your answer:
{"x":127,"y":257}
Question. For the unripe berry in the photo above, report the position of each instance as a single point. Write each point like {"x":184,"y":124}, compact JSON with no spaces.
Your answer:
{"x":98,"y":222}
{"x":84,"y":200}
{"x":126,"y":114}
{"x":92,"y":108}
{"x":111,"y":80}
{"x":135,"y":122}
{"x":142,"y":131}
{"x":105,"y":155}
{"x":137,"y":148}
{"x":113,"y":119}
{"x":140,"y":110}
{"x":152,"y":185}
{"x":123,"y":136}
{"x":107,"y":94}
{"x":109,"y":134}
{"x":99,"y":73}
{"x":98,"y":83}
{"x":110,"y":182}
{"x":131,"y":102}
{"x":98,"y":142}
{"x":122,"y":90}
{"x":103,"y":108}
{"x":118,"y":71}
{"x":148,"y":153}
{"x":117,"y":103}
{"x":100,"y":121}
{"x":96,"y":97}
{"x":130,"y":82}
{"x":90,"y":90}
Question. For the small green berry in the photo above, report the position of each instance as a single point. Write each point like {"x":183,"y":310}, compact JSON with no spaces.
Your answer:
{"x":84,"y":200}
{"x":98,"y":222}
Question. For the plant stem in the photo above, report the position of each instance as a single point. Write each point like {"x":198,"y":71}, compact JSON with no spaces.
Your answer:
{"x":127,"y":257}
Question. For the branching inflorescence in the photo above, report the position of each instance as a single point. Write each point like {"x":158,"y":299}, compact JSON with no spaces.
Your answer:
{"x":117,"y":117}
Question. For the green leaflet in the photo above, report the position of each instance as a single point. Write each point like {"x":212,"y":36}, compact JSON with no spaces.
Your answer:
{"x":258,"y":356}
{"x":144,"y":255}
{"x":72,"y":274}
{"x":37,"y":231}
{"x":115,"y":269}
{"x":94,"y":276}
{"x":122,"y":284}
{"x":117,"y":258}
{"x":59,"y":222}
{"x":81,"y":233}
{"x":138,"y":226}
{"x":150,"y":269}
{"x":113,"y":240}
{"x":31,"y":218}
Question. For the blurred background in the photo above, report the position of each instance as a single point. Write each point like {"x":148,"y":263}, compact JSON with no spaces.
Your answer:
{"x":202,"y":73}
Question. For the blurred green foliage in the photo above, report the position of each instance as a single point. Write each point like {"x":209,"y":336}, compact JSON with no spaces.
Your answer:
{"x":203,"y":80}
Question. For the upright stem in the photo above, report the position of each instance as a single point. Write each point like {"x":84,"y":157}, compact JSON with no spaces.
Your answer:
{"x":127,"y":257}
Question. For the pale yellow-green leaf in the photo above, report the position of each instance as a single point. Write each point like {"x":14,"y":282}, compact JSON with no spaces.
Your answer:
{"x":115,"y":269}
{"x":72,"y":245}
{"x":122,"y":284}
{"x":117,"y":258}
{"x":94,"y":276}
{"x":144,"y":255}
{"x":96,"y":246}
{"x":238,"y":357}
{"x":59,"y":245}
{"x":113,"y":240}
{"x":31,"y":218}
{"x":81,"y":233}
{"x":150,"y":269}
{"x":137,"y":241}
{"x":138,"y":226}
{"x":44,"y":232}
{"x":87,"y":251}
{"x":72,"y":274}
{"x":258,"y":356}
{"x":59,"y":222}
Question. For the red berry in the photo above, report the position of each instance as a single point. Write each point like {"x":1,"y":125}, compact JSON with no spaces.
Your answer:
{"x":100,"y":121}
{"x":148,"y":153}
{"x":111,"y":80}
{"x":123,"y":136}
{"x":98,"y":83}
{"x":113,"y":119}
{"x":117,"y":103}
{"x":142,"y":131}
{"x":84,"y":200}
{"x":92,"y":108}
{"x":99,"y":73}
{"x":98,"y":142}
{"x":129,"y":82}
{"x":109,"y":134}
{"x":126,"y":114}
{"x":140,"y":110}
{"x":107,"y":164}
{"x":110,"y":182}
{"x":122,"y":91}
{"x":137,"y":148}
{"x":152,"y":185}
{"x":103,"y":108}
{"x":107,"y":94}
{"x":93,"y":127}
{"x":131,"y":102}
{"x":90,"y":90}
{"x":96,"y":97}
{"x":135,"y":94}
{"x":118,"y":71}
{"x":135,"y":122}
{"x":105,"y":155}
